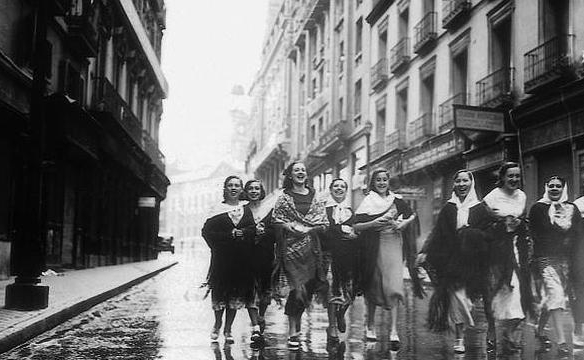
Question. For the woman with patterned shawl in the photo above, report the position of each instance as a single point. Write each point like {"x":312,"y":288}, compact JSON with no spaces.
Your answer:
{"x":229,"y":231}
{"x":509,"y":272}
{"x":556,"y":229}
{"x":455,"y":257}
{"x":340,"y":248}
{"x":380,"y":220}
{"x":263,"y":255}
{"x":299,"y":218}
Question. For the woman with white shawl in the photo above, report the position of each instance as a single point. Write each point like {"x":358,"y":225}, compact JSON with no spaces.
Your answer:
{"x":555,"y":226}
{"x":454,"y":256}
{"x":380,"y":220}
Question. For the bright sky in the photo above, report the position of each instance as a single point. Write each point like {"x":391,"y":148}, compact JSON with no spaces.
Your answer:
{"x":208,"y":46}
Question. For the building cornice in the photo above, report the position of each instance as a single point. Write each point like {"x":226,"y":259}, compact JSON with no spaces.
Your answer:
{"x":136,"y":24}
{"x":378,"y":10}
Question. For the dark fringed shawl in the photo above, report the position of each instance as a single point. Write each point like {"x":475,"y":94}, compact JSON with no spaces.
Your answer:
{"x":263,"y":254}
{"x":230,"y":274}
{"x":456,"y":259}
{"x":369,"y":247}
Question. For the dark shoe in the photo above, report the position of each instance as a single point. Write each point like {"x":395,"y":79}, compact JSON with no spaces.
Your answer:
{"x":490,"y":345}
{"x":544,"y":341}
{"x":228,"y":337}
{"x":394,"y":342}
{"x":563,"y":350}
{"x":332,"y":340}
{"x":256,"y":336}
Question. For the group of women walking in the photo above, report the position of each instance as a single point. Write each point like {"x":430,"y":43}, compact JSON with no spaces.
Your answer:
{"x":309,"y":248}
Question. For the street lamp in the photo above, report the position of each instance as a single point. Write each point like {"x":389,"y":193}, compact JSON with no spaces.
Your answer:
{"x":26,"y":293}
{"x":367,"y":131}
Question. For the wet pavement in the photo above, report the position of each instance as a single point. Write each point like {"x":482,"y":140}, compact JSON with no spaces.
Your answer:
{"x":167,"y":318}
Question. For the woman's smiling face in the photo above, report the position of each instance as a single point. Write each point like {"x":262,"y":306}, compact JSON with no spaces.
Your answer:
{"x":381,"y":182}
{"x":298,"y":174}
{"x":339,"y":190}
{"x":233,"y":189}
{"x":254,"y":191}
{"x":462,"y":184}
{"x":555,"y":189}
{"x":512,"y":178}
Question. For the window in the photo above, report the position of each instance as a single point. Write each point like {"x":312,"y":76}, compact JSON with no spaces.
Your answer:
{"x":359,"y":36}
{"x":320,"y":126}
{"x":401,"y":109}
{"x":403,"y":24}
{"x":427,"y":87}
{"x":380,"y":119}
{"x":555,"y":19}
{"x":358,"y":97}
{"x":341,"y":109}
{"x":382,"y":44}
{"x":312,"y":133}
{"x":341,"y":56}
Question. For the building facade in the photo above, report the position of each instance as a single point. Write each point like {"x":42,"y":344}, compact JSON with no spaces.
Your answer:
{"x":427,"y":87}
{"x":103,"y":173}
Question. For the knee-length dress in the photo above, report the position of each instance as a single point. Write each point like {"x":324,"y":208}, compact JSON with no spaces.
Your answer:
{"x":382,"y":261}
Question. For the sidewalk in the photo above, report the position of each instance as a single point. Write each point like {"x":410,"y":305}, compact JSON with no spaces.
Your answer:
{"x":71,"y":293}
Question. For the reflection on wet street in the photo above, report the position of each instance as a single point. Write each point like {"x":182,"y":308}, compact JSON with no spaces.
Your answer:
{"x":167,"y":318}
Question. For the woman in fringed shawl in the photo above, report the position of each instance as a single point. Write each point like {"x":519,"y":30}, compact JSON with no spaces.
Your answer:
{"x":340,"y":250}
{"x":509,"y":272}
{"x":555,"y":226}
{"x":299,"y":218}
{"x":263,"y":255}
{"x":455,"y":257}
{"x":578,"y":308}
{"x":229,"y":231}
{"x":379,"y":220}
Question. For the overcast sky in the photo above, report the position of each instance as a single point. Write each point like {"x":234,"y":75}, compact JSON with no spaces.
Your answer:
{"x":208,"y":46}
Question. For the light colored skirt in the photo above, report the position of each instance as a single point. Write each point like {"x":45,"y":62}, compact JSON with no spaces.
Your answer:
{"x":506,"y":304}
{"x":386,"y":288}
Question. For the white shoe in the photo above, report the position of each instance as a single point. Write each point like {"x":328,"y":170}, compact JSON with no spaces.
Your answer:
{"x":370,"y":335}
{"x":394,"y":338}
{"x":459,"y":346}
{"x":578,"y":340}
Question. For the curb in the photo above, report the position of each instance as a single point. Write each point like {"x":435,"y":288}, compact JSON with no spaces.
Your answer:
{"x":40,"y":326}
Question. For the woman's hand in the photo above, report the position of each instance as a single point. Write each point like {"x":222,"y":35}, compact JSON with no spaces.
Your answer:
{"x":260,"y":229}
{"x":420,"y":259}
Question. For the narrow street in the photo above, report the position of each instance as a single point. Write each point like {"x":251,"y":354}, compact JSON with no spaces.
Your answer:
{"x":166,"y":318}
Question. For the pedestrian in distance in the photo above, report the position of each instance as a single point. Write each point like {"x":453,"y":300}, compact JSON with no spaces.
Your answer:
{"x":299,"y":218}
{"x":455,"y":258}
{"x":263,"y":255}
{"x":229,"y":232}
{"x":340,"y":250}
{"x":556,"y":228}
{"x":509,"y":273}
{"x":380,"y":220}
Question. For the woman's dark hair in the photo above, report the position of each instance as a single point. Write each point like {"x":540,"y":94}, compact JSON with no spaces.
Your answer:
{"x":463,"y":171}
{"x":338,"y":179}
{"x":556,"y":177}
{"x":287,"y":183}
{"x":246,"y":188}
{"x":227,"y":180}
{"x":503,"y":170}
{"x":372,"y":179}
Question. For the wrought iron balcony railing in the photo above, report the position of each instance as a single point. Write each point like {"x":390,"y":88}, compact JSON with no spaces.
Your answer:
{"x":108,"y":100}
{"x":394,"y":141}
{"x":494,"y":90}
{"x":400,"y":54}
{"x":426,"y":32}
{"x":445,"y":111}
{"x":454,"y":11}
{"x":420,"y":128}
{"x":379,"y":74}
{"x":548,"y":62}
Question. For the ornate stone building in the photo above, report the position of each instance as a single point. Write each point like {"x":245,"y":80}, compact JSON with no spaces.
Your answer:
{"x":103,"y":173}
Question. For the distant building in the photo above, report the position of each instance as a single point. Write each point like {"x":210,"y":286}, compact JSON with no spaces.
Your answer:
{"x":103,"y":171}
{"x":240,"y":124}
{"x":189,"y":199}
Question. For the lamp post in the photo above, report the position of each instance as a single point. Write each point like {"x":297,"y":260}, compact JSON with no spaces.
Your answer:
{"x":368,"y":126}
{"x":26,"y":293}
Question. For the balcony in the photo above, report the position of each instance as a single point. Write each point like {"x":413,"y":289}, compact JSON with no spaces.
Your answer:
{"x":393,"y":141}
{"x":334,"y":135}
{"x":108,"y":100}
{"x":81,"y":32}
{"x":151,"y":148}
{"x":494,"y":90}
{"x":446,"y":113}
{"x":420,"y":128}
{"x":400,"y":55}
{"x":379,"y":74}
{"x":454,"y":12}
{"x":549,"y":64}
{"x":426,"y":33}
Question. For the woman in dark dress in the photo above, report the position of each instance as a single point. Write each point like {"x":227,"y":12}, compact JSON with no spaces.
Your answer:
{"x":299,"y":218}
{"x":229,"y":231}
{"x":340,"y":243}
{"x":263,"y":255}
{"x":455,"y":257}
{"x":555,"y":226}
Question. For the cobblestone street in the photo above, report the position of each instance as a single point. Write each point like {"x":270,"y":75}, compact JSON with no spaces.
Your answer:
{"x":166,"y":318}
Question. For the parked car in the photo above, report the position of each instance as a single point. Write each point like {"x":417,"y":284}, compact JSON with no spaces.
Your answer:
{"x":165,"y":242}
